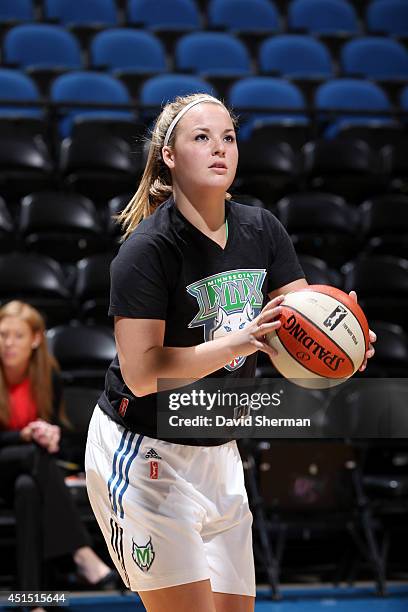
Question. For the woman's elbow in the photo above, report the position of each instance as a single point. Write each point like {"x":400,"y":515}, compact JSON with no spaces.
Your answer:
{"x":138,"y":383}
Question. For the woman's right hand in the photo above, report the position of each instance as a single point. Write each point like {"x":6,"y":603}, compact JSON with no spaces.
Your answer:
{"x":252,"y":337}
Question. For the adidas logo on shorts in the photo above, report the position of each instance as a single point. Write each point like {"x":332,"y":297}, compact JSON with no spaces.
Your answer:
{"x":151,"y":454}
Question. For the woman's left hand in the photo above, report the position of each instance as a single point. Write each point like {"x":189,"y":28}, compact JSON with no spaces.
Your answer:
{"x":372,"y":336}
{"x":46,"y":435}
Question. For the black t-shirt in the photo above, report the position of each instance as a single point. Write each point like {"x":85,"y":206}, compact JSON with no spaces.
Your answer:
{"x":167,"y":269}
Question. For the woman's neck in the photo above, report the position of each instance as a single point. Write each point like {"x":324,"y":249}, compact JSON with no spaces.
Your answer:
{"x":16,"y":375}
{"x":205,"y":211}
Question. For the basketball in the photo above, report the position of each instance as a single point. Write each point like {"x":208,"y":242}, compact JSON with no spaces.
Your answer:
{"x":322,"y":339}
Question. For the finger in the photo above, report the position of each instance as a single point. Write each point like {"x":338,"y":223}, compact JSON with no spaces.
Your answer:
{"x":265,"y":348}
{"x":370,"y":352}
{"x":353,"y":295}
{"x":273,"y":303}
{"x":372,"y":335}
{"x":363,"y":366}
{"x":273,"y":313}
{"x":266,"y":328}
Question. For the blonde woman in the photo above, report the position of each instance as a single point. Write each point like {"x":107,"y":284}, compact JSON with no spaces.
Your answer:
{"x":48,"y":524}
{"x":195,"y":287}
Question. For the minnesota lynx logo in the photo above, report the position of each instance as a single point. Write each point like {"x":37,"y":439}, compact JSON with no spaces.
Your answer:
{"x":143,"y":556}
{"x":227,"y":302}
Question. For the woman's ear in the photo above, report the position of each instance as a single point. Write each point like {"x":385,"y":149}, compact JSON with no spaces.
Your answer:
{"x":168,"y":156}
{"x":36,"y":340}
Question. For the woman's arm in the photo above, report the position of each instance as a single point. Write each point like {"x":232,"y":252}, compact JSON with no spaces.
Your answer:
{"x":143,"y":358}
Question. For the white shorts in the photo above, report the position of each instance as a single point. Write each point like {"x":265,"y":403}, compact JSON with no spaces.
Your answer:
{"x":170,"y":513}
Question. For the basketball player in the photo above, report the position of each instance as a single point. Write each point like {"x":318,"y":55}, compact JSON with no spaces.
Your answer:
{"x":194,"y":289}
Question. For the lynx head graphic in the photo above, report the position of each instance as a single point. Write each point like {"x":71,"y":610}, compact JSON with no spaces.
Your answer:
{"x":143,"y":556}
{"x":225,"y":323}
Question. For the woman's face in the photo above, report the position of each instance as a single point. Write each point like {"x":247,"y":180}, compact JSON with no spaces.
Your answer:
{"x":17,"y":342}
{"x":205,"y":153}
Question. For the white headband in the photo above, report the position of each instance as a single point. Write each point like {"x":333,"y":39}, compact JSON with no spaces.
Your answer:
{"x":183,"y":112}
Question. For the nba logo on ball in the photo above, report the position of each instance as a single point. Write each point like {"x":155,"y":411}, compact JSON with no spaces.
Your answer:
{"x":322,"y":339}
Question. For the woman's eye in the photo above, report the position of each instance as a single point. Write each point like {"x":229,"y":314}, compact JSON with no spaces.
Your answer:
{"x":230,"y":138}
{"x":201,"y":137}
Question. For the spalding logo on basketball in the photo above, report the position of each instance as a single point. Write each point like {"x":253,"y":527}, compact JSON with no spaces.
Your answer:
{"x":322,"y":339}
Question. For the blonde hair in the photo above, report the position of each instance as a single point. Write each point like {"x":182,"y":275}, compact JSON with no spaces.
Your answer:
{"x":40,"y":367}
{"x":156,"y":183}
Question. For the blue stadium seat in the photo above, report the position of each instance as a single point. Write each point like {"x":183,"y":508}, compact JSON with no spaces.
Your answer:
{"x":323,"y":16}
{"x":132,"y":55}
{"x":294,"y":56}
{"x":15,"y":85}
{"x":388,"y":16}
{"x":126,"y":48}
{"x":266,"y":93}
{"x":161,"y":14}
{"x":168,"y":20}
{"x":41,"y":46}
{"x":376,"y":58}
{"x":69,"y":13}
{"x":244,"y":16}
{"x":212,"y":53}
{"x":352,"y":95}
{"x":90,"y":87}
{"x":159,"y":90}
{"x":16,"y":10}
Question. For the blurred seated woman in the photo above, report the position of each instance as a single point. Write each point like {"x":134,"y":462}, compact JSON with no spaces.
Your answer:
{"x":48,"y":522}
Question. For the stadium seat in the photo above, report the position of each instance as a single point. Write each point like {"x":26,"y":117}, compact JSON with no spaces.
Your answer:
{"x":391,"y":351}
{"x":388,"y":16}
{"x":14,"y":11}
{"x":64,"y":226}
{"x":17,"y":86}
{"x":218,"y":56}
{"x":7,"y":230}
{"x":354,"y":95}
{"x":322,"y":225}
{"x":302,"y":59}
{"x":43,"y":50}
{"x":384,"y":225}
{"x":317,"y":272}
{"x":168,"y":20}
{"x":79,"y":404}
{"x":252,"y":22}
{"x":37,"y":280}
{"x":68,"y":13}
{"x":100,"y":167}
{"x":267,"y":169}
{"x":89,"y":87}
{"x":131,"y":55}
{"x":295,"y":56}
{"x":386,"y":300}
{"x":254,"y":98}
{"x":322,"y":16}
{"x":306,"y":489}
{"x":25,"y":161}
{"x":375,"y":57}
{"x":92,"y":288}
{"x":350,"y":168}
{"x":241,"y":16}
{"x":162,"y":88}
{"x":115,"y":206}
{"x":83,"y":352}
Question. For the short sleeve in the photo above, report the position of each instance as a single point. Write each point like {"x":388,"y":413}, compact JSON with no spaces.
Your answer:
{"x":139,"y":288}
{"x":284,"y":266}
